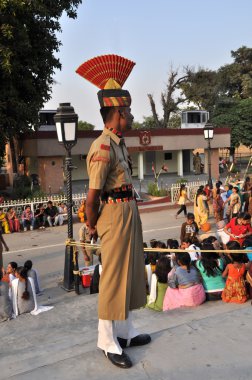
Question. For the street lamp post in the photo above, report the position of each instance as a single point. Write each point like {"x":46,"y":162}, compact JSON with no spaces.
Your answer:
{"x":66,"y":121}
{"x":208,"y":135}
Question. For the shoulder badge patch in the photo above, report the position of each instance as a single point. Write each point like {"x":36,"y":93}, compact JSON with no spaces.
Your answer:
{"x":99,"y":158}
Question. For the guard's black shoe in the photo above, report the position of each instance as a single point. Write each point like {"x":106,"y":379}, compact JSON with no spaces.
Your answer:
{"x":122,"y":361}
{"x":139,"y":340}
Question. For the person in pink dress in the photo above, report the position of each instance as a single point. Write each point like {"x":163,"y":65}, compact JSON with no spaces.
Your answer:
{"x":184,"y":285}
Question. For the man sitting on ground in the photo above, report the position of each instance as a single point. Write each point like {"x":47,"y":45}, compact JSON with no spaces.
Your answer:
{"x":40,"y":216}
{"x":28,"y":219}
{"x":52,"y":214}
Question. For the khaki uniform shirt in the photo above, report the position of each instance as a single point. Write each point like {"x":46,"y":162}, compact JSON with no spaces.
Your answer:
{"x":84,"y":234}
{"x":108,"y":162}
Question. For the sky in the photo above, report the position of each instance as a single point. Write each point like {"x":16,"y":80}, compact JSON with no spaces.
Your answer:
{"x":155,"y":35}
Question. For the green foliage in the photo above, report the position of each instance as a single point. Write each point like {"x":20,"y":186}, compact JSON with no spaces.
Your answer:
{"x":38,"y":194}
{"x":28,"y":43}
{"x":236,"y":78}
{"x":234,"y":169}
{"x":175,"y":121}
{"x":148,"y":123}
{"x":227,"y":94}
{"x":22,"y":181}
{"x":137,"y":125}
{"x":201,"y":88}
{"x":22,"y":187}
{"x":155,"y":191}
{"x":182,"y":180}
{"x":235,"y":113}
{"x":84,"y":126}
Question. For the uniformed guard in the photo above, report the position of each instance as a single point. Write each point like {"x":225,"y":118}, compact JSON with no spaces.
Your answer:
{"x":112,"y":208}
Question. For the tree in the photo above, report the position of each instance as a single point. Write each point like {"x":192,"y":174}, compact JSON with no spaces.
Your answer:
{"x":28,"y":42}
{"x":169,"y":100}
{"x":175,"y":121}
{"x":236,"y":78}
{"x":201,"y":88}
{"x":84,"y":126}
{"x":236,"y":114}
{"x":148,"y":123}
{"x":137,"y":125}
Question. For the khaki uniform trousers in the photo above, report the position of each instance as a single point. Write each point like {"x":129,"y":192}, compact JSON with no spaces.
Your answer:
{"x":122,"y":283}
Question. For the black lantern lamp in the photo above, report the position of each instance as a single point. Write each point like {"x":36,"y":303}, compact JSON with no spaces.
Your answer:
{"x":208,"y":135}
{"x":208,"y":131}
{"x":66,"y":121}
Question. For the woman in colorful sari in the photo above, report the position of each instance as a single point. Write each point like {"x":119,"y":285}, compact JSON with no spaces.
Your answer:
{"x":200,"y":208}
{"x":13,"y":220}
{"x":218,"y":203}
{"x":159,"y":284}
{"x":4,"y":222}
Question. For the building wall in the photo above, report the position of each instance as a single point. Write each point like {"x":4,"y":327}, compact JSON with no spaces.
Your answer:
{"x":172,"y":164}
{"x":42,"y":145}
{"x":79,"y":161}
{"x":187,"y":140}
{"x":51,"y":174}
{"x":31,"y":163}
{"x":134,"y":157}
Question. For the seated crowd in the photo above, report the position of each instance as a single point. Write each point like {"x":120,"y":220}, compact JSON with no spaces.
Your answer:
{"x":19,"y":287}
{"x":51,"y":215}
{"x":201,"y":273}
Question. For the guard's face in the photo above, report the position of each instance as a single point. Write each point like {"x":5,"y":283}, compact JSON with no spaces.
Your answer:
{"x":126,"y":119}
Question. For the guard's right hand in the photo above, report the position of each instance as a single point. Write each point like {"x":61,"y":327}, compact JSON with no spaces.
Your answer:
{"x":93,"y":233}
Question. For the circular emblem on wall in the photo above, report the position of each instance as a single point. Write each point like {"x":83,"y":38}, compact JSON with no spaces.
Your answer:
{"x":145,"y":138}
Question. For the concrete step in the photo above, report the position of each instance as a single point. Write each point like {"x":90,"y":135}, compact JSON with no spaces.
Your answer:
{"x":187,"y":343}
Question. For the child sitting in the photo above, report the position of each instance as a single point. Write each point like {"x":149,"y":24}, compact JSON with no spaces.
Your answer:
{"x":159,"y":284}
{"x":194,"y":250}
{"x":184,"y":284}
{"x":210,"y":267}
{"x":235,"y":289}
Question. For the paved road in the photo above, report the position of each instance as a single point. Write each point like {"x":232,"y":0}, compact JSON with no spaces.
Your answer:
{"x":46,"y":248}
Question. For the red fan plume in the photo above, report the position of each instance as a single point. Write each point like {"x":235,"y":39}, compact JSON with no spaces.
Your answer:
{"x":100,"y":69}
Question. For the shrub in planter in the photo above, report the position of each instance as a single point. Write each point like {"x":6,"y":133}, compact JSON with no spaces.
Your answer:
{"x":155,"y":191}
